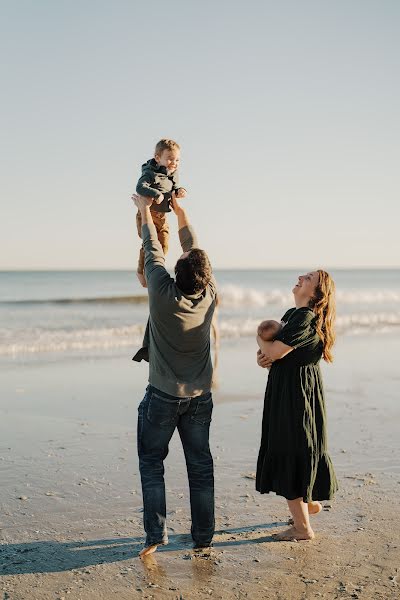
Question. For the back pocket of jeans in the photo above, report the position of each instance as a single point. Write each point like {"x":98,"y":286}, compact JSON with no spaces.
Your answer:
{"x":203,"y":410}
{"x":162,"y":411}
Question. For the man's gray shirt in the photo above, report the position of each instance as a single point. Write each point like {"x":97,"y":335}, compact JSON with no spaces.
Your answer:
{"x":177,"y":339}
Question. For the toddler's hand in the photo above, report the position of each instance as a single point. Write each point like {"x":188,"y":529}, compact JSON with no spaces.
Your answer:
{"x":181,"y":193}
{"x":159,"y":199}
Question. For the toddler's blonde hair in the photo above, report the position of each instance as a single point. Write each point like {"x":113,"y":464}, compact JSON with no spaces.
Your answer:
{"x":165,"y":144}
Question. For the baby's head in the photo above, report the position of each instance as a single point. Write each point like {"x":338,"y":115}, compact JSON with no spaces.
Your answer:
{"x":267,"y":330}
{"x":167,"y":154}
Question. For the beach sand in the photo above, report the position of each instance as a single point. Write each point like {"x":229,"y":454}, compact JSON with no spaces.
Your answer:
{"x":70,"y":498}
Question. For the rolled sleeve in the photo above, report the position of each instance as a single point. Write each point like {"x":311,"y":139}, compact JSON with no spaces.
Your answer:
{"x":298,"y":331}
{"x":188,"y":238}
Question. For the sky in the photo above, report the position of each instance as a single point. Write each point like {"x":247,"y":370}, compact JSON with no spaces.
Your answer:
{"x":287,"y":114}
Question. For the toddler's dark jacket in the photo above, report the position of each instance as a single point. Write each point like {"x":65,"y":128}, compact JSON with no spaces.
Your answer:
{"x":155,"y":181}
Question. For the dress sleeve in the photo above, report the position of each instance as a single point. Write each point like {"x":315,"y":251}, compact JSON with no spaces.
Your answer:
{"x":299,"y":330}
{"x":287,"y":315}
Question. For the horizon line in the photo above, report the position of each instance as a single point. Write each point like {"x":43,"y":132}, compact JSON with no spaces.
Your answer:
{"x":122,"y":269}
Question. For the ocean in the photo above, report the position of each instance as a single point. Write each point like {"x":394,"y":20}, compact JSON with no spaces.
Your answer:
{"x":52,"y":315}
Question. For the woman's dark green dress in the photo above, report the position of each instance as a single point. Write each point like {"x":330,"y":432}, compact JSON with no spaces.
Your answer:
{"x":293,"y":460}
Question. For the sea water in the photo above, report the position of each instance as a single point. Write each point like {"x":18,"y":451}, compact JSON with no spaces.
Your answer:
{"x":47,"y":315}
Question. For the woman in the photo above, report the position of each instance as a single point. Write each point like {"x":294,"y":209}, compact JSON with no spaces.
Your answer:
{"x":293,"y":459}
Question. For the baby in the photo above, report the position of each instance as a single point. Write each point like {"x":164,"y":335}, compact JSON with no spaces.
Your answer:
{"x":159,"y":180}
{"x":267,"y":330}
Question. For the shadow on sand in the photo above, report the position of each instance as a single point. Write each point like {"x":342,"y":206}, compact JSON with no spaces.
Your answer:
{"x":53,"y":556}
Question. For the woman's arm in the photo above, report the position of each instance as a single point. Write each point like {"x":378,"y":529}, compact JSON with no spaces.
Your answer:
{"x":263,"y":361}
{"x":274,"y":350}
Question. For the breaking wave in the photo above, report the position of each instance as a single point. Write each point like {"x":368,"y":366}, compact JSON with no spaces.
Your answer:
{"x":40,"y":340}
{"x":232,"y":296}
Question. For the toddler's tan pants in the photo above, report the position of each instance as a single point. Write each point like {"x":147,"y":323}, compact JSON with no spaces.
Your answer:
{"x":162,"y":228}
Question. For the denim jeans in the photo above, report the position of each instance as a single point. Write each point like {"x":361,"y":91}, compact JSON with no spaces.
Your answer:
{"x":159,"y":415}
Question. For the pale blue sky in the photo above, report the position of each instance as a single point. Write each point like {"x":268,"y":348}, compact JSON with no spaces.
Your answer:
{"x":286,"y":112}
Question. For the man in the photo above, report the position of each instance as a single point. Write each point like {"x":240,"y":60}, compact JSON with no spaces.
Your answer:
{"x":177,"y":346}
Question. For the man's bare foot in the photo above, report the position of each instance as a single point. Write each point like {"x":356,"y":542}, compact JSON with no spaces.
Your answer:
{"x":148,"y":550}
{"x":142,"y":279}
{"x":293,"y":535}
{"x":313,"y":509}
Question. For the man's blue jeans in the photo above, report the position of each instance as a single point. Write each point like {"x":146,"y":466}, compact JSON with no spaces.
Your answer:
{"x":159,"y":415}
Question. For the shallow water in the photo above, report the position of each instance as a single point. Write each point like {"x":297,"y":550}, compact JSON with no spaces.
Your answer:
{"x":58,"y":315}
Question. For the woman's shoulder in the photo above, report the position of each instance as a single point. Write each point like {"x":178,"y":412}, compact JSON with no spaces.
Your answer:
{"x":303,"y":314}
{"x":287,"y":314}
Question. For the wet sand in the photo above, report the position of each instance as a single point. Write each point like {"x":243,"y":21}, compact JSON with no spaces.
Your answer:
{"x":70,"y":500}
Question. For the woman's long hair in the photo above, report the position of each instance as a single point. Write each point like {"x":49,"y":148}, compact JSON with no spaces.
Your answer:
{"x":324,"y":307}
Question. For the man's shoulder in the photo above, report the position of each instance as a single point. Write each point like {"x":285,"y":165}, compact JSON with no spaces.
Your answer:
{"x":162,"y":288}
{"x":212,"y":286}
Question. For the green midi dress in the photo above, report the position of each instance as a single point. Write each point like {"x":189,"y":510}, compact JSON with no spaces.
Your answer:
{"x":293,"y":460}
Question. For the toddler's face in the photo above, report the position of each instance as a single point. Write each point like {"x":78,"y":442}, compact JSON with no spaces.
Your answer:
{"x":169,"y":159}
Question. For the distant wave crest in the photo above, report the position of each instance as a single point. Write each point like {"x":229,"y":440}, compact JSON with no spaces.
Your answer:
{"x":234,"y":296}
{"x":238,"y":296}
{"x":351,"y":324}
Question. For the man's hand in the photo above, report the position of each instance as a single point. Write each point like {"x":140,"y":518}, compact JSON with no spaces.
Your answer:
{"x":179,"y":211}
{"x":176,"y":207}
{"x":181,"y":193}
{"x":263,"y":361}
{"x":142,"y":202}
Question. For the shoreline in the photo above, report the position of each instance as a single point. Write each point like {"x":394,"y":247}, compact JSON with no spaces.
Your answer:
{"x":67,"y":434}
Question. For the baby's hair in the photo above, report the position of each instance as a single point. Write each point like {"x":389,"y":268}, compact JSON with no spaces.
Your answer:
{"x":166,"y":144}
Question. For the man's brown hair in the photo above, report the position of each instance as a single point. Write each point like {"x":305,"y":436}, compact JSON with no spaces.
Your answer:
{"x":165,"y":144}
{"x":193,"y":273}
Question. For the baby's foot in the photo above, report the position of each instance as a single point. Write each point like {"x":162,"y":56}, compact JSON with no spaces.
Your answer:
{"x":293,"y":535}
{"x":142,"y":279}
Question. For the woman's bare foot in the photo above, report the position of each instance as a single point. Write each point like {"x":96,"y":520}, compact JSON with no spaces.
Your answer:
{"x":142,"y":279}
{"x":293,"y":535}
{"x":148,"y":550}
{"x":313,"y":509}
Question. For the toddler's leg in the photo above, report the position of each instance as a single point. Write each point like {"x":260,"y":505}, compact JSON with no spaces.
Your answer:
{"x":140,"y":267}
{"x":139,"y":223}
{"x":162,"y":228}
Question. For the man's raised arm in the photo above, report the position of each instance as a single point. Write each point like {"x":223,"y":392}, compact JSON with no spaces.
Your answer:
{"x":187,"y":236}
{"x":154,"y":259}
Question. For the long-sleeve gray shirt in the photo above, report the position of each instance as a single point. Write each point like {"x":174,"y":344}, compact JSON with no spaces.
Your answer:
{"x":177,"y":339}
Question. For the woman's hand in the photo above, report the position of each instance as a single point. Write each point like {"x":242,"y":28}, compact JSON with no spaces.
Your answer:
{"x":263,"y":361}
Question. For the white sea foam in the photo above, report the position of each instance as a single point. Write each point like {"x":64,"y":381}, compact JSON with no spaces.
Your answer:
{"x":347,"y":324}
{"x":42,"y":341}
{"x":36,"y":341}
{"x":234,"y":296}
